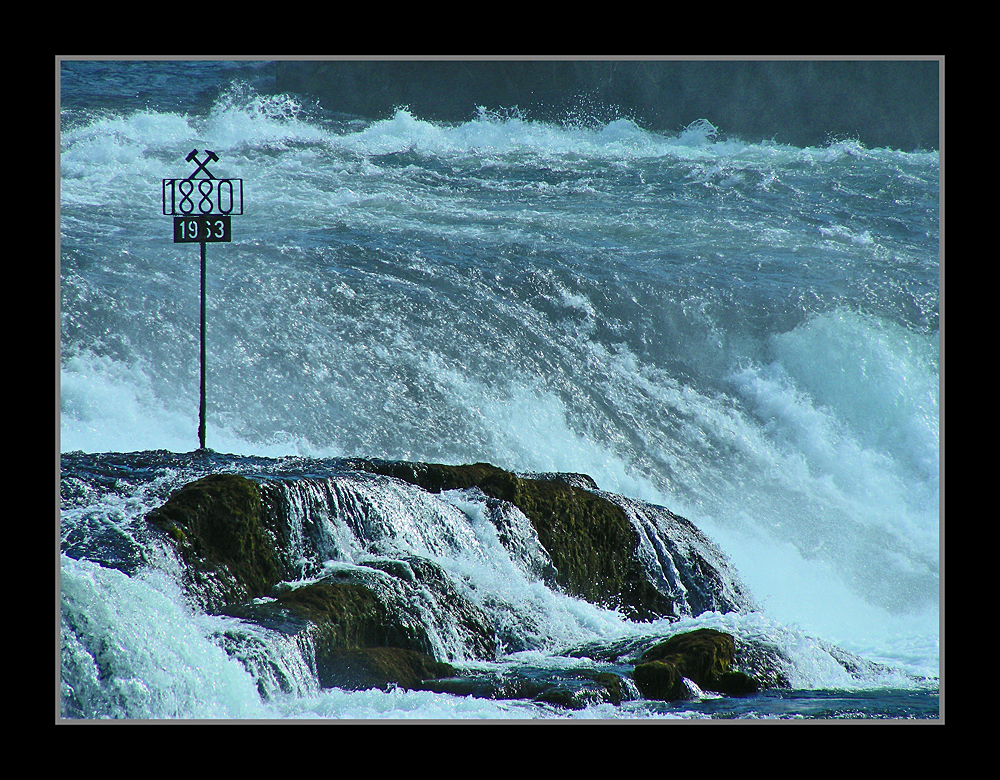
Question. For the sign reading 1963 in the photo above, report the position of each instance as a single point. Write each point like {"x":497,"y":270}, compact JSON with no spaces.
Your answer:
{"x":192,"y":230}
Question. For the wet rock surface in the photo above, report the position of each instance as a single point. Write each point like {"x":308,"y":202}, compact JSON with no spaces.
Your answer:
{"x":373,"y":624}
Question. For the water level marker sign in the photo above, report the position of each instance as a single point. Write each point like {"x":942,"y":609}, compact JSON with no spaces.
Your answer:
{"x":202,"y":208}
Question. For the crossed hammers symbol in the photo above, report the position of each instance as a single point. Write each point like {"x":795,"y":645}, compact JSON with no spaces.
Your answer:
{"x":212,"y":157}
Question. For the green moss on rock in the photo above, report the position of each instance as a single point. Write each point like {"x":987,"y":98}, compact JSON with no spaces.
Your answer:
{"x":661,"y":680}
{"x":735,"y":684}
{"x":348,"y":616}
{"x":343,"y":621}
{"x":379,"y":667}
{"x":590,"y":540}
{"x":221,"y":530}
{"x":461,"y":615}
{"x":703,"y":656}
{"x":233,"y":535}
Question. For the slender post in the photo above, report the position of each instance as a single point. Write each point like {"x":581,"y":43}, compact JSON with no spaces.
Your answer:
{"x":201,"y":412}
{"x":208,"y":221}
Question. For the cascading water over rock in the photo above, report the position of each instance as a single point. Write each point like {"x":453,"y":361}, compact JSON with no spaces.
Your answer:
{"x":737,"y":339}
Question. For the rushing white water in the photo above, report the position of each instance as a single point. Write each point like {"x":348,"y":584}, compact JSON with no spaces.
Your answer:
{"x":745,"y":333}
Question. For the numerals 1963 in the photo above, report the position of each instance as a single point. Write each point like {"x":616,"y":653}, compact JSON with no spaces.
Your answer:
{"x":202,"y":228}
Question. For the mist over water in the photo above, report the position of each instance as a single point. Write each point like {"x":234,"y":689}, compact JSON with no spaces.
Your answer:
{"x":744,"y":333}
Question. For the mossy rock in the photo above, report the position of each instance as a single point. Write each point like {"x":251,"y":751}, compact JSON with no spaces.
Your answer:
{"x":701,"y":654}
{"x":661,"y":680}
{"x":463,"y":616}
{"x":590,"y":540}
{"x":220,"y":527}
{"x":349,"y":616}
{"x":340,"y":618}
{"x":379,"y":667}
{"x":735,"y":684}
{"x":590,"y":690}
{"x":570,"y":690}
{"x":704,"y":656}
{"x":614,"y":687}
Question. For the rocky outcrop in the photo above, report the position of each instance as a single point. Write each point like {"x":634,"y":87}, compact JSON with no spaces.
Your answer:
{"x":574,"y":689}
{"x":229,"y":541}
{"x":379,"y":667}
{"x":359,"y":638}
{"x":704,"y":656}
{"x":234,"y":547}
{"x":387,"y":621}
{"x":590,"y":540}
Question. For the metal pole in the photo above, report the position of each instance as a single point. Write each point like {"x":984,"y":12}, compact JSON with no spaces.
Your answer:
{"x":201,"y":412}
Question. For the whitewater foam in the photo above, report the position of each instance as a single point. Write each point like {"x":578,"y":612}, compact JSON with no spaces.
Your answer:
{"x":745,"y":333}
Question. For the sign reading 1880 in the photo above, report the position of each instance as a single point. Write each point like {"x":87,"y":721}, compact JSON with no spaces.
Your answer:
{"x":202,"y":208}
